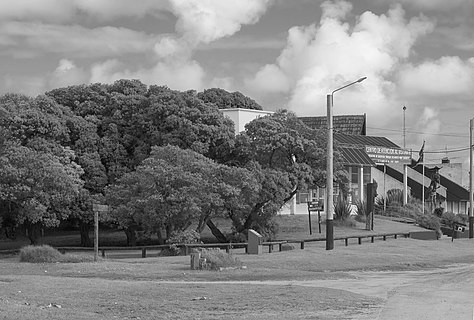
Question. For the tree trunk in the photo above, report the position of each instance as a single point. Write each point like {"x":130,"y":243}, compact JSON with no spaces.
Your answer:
{"x":131,"y":236}
{"x":84,"y":229}
{"x":216,"y":232}
{"x":252,"y":216}
{"x":33,"y":232}
{"x":161,"y":239}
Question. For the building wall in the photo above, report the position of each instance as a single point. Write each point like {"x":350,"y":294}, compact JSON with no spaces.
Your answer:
{"x":390,"y":183}
{"x":453,"y":171}
{"x":241,"y":117}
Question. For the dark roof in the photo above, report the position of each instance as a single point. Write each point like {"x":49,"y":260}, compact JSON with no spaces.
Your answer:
{"x":357,"y":140}
{"x":355,"y":156}
{"x":347,"y":124}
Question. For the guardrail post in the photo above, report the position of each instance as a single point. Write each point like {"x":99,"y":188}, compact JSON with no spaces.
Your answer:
{"x":279,"y":246}
{"x":143,"y":252}
{"x":270,"y":248}
{"x":302,"y":245}
{"x":360,"y":240}
{"x":346,"y":241}
{"x":103,"y":253}
{"x":384,"y":238}
{"x":395,"y":237}
{"x":372,"y":239}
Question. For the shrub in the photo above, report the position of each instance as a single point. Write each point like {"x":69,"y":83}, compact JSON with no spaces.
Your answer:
{"x":449,"y":218}
{"x":39,"y":254}
{"x":216,"y":259}
{"x":45,"y":253}
{"x":342,"y":209}
{"x":180,"y":237}
{"x":348,"y":222}
{"x":431,"y":222}
{"x":361,"y":210}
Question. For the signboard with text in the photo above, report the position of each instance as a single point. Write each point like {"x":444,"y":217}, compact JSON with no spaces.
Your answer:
{"x":382,"y":155}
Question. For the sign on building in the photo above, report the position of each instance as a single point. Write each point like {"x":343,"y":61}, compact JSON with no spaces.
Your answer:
{"x":382,"y":155}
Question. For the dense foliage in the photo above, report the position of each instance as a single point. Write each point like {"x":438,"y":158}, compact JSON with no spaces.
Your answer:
{"x":162,"y":159}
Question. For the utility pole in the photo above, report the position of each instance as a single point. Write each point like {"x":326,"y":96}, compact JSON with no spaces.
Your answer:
{"x":471,"y":181}
{"x":404,"y":128}
{"x":329,"y":205}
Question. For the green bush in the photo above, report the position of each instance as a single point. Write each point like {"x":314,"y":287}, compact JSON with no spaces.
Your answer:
{"x":216,"y":259}
{"x":449,"y":218}
{"x":45,"y":253}
{"x":342,"y":209}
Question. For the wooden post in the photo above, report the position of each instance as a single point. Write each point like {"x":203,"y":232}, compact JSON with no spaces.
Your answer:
{"x":96,"y":235}
{"x":369,"y":223}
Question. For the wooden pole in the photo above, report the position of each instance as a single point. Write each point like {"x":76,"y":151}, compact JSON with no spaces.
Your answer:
{"x":96,"y":235}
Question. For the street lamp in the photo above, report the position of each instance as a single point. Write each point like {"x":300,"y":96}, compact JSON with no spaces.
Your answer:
{"x":330,"y":170}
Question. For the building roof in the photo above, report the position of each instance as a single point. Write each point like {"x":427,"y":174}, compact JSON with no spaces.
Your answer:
{"x":358,"y":140}
{"x":355,"y":156}
{"x":455,"y":192}
{"x":346,"y":124}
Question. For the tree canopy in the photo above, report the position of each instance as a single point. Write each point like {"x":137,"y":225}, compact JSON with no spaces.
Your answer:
{"x":163,"y":158}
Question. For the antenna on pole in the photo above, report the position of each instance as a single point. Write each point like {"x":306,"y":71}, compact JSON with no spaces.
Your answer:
{"x":404,"y":128}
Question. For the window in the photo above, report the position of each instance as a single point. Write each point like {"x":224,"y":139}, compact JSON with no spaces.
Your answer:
{"x":367,"y":175}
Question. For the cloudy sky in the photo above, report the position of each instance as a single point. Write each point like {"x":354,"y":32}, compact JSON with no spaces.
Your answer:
{"x":283,"y":54}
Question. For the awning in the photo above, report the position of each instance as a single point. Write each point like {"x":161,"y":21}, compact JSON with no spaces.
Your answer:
{"x":355,"y":156}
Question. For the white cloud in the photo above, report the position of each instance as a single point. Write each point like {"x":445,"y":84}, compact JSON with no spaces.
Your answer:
{"x":445,"y":76}
{"x":67,"y":74}
{"x":199,"y":22}
{"x":204,"y":21}
{"x":320,"y":58}
{"x":64,"y":11}
{"x":75,"y":41}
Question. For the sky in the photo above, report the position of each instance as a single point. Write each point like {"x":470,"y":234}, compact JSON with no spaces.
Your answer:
{"x":283,"y":54}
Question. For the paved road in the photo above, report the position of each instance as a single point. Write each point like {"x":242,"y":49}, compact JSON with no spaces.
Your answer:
{"x":445,"y":293}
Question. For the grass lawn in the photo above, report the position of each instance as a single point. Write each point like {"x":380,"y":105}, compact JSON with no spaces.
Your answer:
{"x":166,"y":288}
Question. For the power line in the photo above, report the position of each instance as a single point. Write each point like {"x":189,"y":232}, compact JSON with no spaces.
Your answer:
{"x":419,"y":132}
{"x":448,"y":151}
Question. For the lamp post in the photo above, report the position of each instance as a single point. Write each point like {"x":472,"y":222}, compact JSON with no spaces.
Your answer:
{"x":330,"y":170}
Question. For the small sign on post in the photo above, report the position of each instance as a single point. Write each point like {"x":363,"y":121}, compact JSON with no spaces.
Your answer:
{"x":97,"y":208}
{"x":314,"y":206}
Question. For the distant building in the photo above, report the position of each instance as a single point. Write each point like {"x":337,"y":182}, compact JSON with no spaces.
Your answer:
{"x":241,"y":117}
{"x":368,"y":158}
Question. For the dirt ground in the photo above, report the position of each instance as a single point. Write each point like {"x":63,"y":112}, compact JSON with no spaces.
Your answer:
{"x":393,"y":279}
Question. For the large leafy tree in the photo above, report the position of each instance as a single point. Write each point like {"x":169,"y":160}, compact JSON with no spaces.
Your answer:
{"x":286,"y":156}
{"x":227,"y":100}
{"x":116,"y":126}
{"x":39,"y":177}
{"x":171,"y":189}
{"x":36,"y":188}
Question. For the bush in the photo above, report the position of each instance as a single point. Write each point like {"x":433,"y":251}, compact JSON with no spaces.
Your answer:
{"x":348,"y":223}
{"x":361,"y":210}
{"x":431,"y":222}
{"x":38,"y":254}
{"x":45,"y":253}
{"x":342,"y":209}
{"x":180,"y":237}
{"x":449,"y":218}
{"x":216,"y":259}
